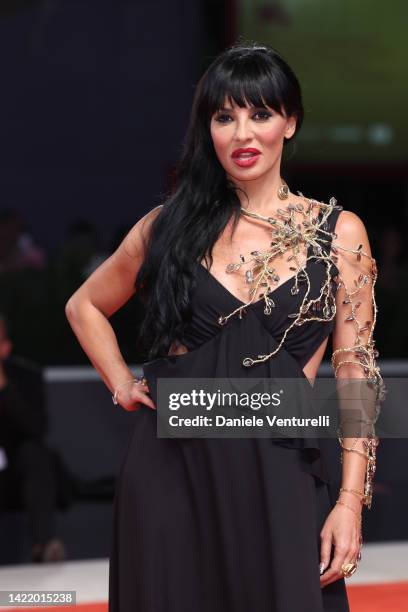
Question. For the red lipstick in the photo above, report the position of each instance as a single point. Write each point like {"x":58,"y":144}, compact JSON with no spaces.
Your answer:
{"x":245,"y":157}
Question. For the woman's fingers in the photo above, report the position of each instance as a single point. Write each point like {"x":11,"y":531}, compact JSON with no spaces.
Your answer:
{"x":334,"y":572}
{"x":135,"y":398}
{"x":325,"y":550}
{"x":148,"y":402}
{"x":343,"y":554}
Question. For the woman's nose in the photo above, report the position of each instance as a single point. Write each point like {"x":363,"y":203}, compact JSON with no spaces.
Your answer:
{"x":243,"y":130}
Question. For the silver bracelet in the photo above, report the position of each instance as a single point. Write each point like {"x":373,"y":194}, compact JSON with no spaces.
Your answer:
{"x":142,"y":380}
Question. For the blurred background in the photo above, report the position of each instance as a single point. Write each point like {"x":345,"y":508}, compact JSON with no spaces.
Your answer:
{"x":95,"y":101}
{"x":94,"y":106}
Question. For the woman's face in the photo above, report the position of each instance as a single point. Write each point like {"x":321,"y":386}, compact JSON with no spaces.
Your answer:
{"x":248,"y":141}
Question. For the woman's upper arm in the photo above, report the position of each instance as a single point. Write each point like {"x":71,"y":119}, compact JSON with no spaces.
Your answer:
{"x":111,"y":285}
{"x":353,"y":341}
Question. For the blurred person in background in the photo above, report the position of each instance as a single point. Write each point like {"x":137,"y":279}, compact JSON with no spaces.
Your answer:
{"x":17,"y":247}
{"x":79,"y":255}
{"x":29,"y":475}
{"x":24,"y":286}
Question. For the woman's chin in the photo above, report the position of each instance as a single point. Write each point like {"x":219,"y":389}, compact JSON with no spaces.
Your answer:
{"x":247,"y":174}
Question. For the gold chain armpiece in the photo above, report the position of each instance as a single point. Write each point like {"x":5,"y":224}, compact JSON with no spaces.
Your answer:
{"x":370,"y":454}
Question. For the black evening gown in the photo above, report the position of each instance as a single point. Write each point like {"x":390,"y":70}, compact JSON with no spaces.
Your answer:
{"x":216,"y":524}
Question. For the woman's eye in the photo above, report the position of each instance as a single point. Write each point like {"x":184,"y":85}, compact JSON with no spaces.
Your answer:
{"x":259,"y":116}
{"x":222,"y":118}
{"x":262,"y":115}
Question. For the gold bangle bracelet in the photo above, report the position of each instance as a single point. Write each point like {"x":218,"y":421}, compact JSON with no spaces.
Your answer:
{"x":350,"y":508}
{"x":353,"y":450}
{"x":359,"y":494}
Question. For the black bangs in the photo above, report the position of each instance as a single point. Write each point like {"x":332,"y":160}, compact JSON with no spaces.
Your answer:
{"x":247,"y":82}
{"x":249,"y":76}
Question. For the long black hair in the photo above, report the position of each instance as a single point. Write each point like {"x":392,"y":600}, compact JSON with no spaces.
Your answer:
{"x":203,"y":200}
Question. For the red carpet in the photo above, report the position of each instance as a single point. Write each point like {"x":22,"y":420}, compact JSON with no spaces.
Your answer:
{"x":392,"y":597}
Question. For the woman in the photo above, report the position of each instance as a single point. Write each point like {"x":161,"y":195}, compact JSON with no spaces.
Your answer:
{"x":244,"y":524}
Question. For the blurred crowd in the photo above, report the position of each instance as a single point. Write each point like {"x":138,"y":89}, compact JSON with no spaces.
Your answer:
{"x":35,"y":285}
{"x":33,"y":474}
{"x":34,"y":332}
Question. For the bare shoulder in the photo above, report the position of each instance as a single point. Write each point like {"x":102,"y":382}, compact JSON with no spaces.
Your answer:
{"x":351,"y":235}
{"x":135,"y":241}
{"x":350,"y":228}
{"x":349,"y":222}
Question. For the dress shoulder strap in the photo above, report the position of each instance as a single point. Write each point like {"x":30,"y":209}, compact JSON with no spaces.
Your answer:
{"x":332,"y":218}
{"x":330,"y":224}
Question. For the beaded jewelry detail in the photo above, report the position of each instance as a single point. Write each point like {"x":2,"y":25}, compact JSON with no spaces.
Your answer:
{"x":365,"y":355}
{"x":289,"y":234}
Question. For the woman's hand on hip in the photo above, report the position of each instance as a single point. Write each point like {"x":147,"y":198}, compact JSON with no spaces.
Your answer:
{"x":133,"y":396}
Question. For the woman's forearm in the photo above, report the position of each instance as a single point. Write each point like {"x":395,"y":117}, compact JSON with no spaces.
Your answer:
{"x":354,"y":465}
{"x":97,"y":338}
{"x":357,"y":418}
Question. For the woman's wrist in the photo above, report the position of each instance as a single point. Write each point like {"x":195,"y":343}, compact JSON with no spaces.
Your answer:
{"x":357,"y":492}
{"x":356,"y":512}
{"x":124,"y":386}
{"x":118,"y":376}
{"x":351,"y":499}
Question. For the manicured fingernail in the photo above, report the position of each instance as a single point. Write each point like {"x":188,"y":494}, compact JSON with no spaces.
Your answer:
{"x":321,"y":568}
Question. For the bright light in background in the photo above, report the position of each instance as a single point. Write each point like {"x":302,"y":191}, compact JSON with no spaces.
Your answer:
{"x":346,"y":133}
{"x":380,"y":134}
{"x":351,"y":59}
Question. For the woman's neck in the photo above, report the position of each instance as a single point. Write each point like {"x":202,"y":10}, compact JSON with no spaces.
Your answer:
{"x":261,"y":195}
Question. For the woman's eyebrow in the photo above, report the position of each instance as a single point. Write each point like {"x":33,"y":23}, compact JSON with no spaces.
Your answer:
{"x":223,"y":109}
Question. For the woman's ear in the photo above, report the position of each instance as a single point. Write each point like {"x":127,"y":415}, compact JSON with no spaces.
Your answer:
{"x":290,"y":127}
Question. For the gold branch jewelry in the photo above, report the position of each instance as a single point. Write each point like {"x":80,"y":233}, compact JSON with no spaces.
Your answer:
{"x":288,"y":234}
{"x":283,"y":191}
{"x":370,"y":446}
